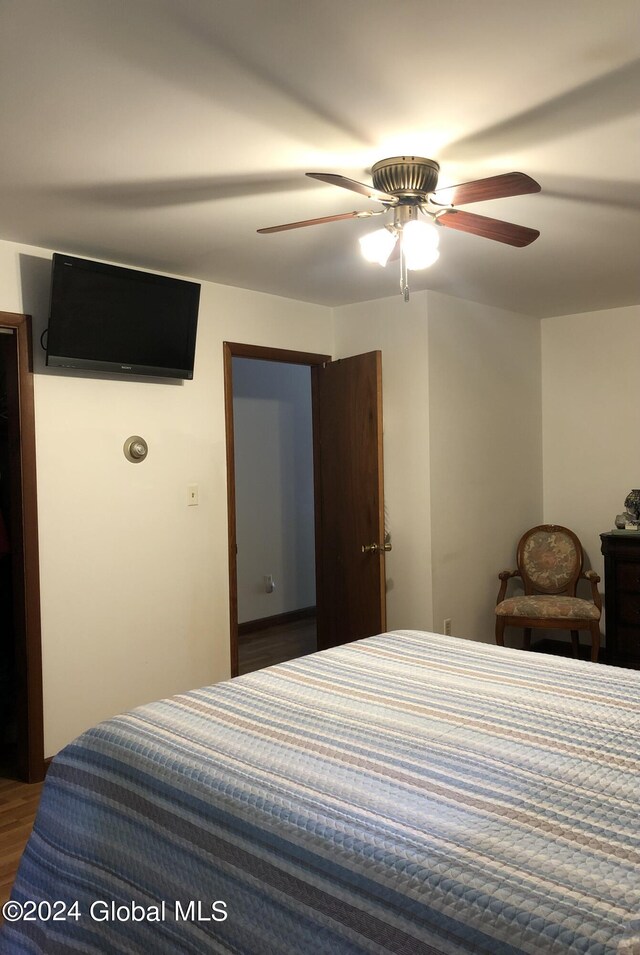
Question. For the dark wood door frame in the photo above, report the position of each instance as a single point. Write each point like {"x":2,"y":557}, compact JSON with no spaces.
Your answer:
{"x":236,"y":350}
{"x":24,"y":544}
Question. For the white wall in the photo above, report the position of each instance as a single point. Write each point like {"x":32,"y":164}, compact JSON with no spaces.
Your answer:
{"x":591,"y":421}
{"x":399,"y":330}
{"x":273,"y":438}
{"x":134,"y":584}
{"x":462,"y":450}
{"x":485,"y":454}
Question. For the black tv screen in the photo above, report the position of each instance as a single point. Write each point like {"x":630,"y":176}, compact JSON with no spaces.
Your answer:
{"x":108,"y":318}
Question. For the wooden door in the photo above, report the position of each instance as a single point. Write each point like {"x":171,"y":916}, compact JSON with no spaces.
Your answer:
{"x":350,"y":583}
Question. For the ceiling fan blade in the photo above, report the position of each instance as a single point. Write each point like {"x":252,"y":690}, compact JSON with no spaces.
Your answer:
{"x":360,"y":187}
{"x":507,"y":232}
{"x":305,"y":222}
{"x":495,"y":187}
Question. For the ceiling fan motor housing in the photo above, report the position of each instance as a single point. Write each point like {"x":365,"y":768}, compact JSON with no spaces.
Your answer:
{"x":408,"y":177}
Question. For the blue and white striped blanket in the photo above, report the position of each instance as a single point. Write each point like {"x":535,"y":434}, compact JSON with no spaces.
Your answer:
{"x":408,"y":793}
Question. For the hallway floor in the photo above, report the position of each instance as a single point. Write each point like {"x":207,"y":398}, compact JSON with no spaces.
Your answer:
{"x":264,"y":648}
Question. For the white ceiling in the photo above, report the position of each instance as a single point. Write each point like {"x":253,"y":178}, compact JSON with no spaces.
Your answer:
{"x":163,"y":133}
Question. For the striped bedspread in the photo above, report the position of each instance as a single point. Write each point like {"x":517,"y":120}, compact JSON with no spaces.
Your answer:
{"x":407,"y":793}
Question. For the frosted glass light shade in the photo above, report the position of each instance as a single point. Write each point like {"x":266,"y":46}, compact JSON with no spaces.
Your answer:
{"x":377,"y":246}
{"x":419,"y":244}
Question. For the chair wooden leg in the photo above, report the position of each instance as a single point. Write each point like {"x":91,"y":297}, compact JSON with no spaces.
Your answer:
{"x":526,"y":645}
{"x":575,"y":644}
{"x":500,"y":631}
{"x":595,"y":641}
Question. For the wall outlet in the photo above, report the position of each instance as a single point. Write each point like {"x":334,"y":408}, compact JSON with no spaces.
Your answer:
{"x":446,"y":627}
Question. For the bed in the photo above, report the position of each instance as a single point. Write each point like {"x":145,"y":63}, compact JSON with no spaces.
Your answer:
{"x":409,"y":793}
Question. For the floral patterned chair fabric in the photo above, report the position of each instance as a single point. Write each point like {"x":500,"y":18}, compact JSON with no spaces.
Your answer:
{"x":549,"y":559}
{"x":547,"y":605}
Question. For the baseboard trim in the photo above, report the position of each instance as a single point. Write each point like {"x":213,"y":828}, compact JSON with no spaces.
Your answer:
{"x":277,"y":620}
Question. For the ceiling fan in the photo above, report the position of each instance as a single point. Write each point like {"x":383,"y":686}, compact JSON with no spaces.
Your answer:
{"x":407,"y":185}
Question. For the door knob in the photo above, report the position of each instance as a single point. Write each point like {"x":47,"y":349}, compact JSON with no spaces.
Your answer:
{"x":376,"y":548}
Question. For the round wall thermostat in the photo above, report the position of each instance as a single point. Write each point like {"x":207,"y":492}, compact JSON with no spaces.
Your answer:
{"x":135,"y":449}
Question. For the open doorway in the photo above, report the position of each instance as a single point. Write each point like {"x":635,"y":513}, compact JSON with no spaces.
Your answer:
{"x":273,"y":447}
{"x":8,"y":675}
{"x":21,"y":719}
{"x":271,"y":498}
{"x":348,"y":490}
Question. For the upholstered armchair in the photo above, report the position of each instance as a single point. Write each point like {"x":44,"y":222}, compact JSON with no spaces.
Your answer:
{"x":549,"y":562}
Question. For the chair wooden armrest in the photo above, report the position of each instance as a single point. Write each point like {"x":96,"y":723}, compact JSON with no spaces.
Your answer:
{"x":504,"y":576}
{"x":594,"y":580}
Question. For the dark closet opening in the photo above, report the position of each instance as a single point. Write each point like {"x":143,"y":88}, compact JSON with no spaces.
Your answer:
{"x":8,"y":676}
{"x":21,"y":723}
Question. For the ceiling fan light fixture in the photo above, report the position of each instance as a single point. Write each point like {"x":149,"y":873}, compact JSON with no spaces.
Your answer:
{"x":407,"y":185}
{"x":419,"y":244}
{"x":377,"y":246}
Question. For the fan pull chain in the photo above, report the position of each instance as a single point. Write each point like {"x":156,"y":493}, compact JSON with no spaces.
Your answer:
{"x":404,"y":277}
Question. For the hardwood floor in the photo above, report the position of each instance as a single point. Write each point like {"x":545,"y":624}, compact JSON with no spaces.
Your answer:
{"x":263,"y":648}
{"x":18,"y":805}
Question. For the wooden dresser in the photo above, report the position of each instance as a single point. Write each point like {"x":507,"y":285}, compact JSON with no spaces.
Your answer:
{"x":621,"y":551}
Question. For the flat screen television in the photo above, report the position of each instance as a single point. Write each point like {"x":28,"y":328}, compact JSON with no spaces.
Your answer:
{"x":108,"y":318}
